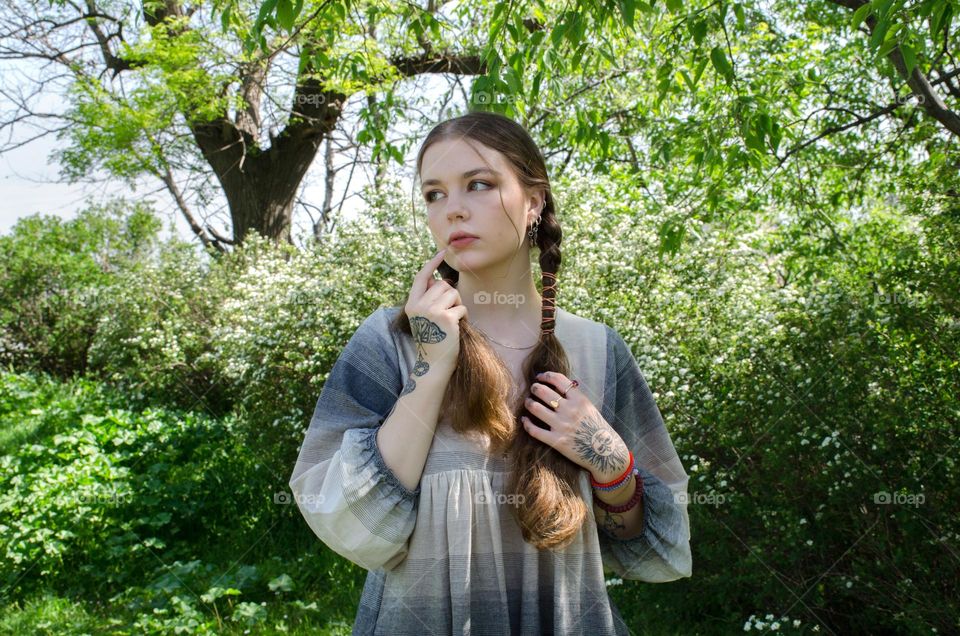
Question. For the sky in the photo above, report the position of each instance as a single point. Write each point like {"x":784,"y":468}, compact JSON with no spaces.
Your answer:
{"x":30,"y":180}
{"x":30,"y":184}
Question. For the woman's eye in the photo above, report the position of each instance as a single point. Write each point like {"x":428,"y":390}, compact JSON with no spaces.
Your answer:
{"x":427,"y":196}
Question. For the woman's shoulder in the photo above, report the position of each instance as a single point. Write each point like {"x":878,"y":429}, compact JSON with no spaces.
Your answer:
{"x":380,"y":319}
{"x":577,"y":324}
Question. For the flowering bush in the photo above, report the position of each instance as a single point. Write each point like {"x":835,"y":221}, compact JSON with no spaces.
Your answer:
{"x":807,"y":380}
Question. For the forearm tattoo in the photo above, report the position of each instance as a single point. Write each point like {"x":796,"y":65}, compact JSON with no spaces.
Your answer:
{"x":598,"y":447}
{"x":425,"y":331}
{"x":612,"y":522}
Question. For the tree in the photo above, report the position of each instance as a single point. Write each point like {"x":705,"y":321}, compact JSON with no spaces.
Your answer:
{"x":717,"y":110}
{"x":165,"y":90}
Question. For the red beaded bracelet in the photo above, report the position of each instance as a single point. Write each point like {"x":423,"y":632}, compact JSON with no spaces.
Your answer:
{"x":622,"y":477}
{"x":627,"y":506}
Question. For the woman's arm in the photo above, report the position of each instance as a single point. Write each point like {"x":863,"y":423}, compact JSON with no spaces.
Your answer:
{"x":405,"y":437}
{"x":347,"y":493}
{"x":623,"y":525}
{"x":660,"y":550}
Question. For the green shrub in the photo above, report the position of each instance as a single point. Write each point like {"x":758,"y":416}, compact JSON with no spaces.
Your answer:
{"x":52,"y":278}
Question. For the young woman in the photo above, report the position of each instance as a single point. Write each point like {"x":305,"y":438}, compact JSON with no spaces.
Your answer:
{"x":486,"y":454}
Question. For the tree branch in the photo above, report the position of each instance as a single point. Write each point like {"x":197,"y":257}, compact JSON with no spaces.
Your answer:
{"x":859,"y":121}
{"x":929,"y":100}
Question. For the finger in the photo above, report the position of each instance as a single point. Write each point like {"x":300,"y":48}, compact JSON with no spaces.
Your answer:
{"x":449,"y":298}
{"x":544,"y":392}
{"x":545,"y":413}
{"x":537,"y":433}
{"x":421,"y":281}
{"x":552,"y":377}
{"x":439,"y":291}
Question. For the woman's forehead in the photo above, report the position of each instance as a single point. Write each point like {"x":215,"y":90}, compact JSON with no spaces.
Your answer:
{"x":449,"y":160}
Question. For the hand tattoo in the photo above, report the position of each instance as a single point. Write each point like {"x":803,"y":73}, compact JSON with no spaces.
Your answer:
{"x":597,"y":446}
{"x":424,"y":331}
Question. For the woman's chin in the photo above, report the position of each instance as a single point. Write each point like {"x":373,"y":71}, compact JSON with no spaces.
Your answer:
{"x":473,"y":263}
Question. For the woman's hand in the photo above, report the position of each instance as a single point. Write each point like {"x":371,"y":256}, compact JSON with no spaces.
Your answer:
{"x":434,"y":310}
{"x":577,"y":430}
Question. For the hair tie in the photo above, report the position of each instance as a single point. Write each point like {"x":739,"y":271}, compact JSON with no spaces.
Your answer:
{"x":549,"y":302}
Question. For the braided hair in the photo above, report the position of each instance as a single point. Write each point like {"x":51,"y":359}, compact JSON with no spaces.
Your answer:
{"x":551,"y":509}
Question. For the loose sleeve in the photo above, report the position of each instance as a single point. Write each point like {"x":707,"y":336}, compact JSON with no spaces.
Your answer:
{"x":349,"y":497}
{"x":661,"y":552}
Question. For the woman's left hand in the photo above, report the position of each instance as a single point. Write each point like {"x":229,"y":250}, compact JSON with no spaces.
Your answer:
{"x":577,"y":430}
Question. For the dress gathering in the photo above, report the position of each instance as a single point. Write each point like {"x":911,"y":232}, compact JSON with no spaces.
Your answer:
{"x":448,"y":557}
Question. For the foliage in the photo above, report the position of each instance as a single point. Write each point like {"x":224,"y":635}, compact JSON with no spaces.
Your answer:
{"x":805,"y":372}
{"x":129,"y":521}
{"x":52,"y":277}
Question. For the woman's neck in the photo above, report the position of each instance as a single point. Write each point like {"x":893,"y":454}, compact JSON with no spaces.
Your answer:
{"x":505,"y":317}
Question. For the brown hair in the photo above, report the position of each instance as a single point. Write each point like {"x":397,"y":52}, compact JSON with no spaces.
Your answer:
{"x":546,"y":483}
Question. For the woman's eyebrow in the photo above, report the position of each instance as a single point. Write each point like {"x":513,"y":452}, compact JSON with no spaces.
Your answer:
{"x":465,"y":175}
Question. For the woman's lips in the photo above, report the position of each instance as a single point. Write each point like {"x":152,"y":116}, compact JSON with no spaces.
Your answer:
{"x":463,"y":242}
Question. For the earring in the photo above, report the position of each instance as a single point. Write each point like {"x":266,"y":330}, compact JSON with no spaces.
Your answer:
{"x":536,"y":225}
{"x":533,"y":232}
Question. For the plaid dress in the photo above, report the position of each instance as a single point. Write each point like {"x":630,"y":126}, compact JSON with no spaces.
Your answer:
{"x":448,"y":557}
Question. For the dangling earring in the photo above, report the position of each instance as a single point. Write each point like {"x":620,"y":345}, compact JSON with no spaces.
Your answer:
{"x":536,"y":225}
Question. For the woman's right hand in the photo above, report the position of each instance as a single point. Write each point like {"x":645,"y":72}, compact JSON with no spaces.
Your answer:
{"x":434,"y":310}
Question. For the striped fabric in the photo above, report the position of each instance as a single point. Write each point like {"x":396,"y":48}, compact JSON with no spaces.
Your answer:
{"x":448,"y":557}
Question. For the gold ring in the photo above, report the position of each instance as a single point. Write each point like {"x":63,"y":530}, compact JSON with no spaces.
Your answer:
{"x":554,"y":404}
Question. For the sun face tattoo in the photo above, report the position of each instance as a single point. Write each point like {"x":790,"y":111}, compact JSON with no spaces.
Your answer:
{"x":597,"y":446}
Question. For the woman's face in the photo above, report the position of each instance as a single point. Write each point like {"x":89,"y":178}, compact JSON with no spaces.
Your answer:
{"x":472,"y":203}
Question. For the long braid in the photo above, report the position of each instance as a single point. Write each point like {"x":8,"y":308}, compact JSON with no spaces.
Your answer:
{"x":553,"y":509}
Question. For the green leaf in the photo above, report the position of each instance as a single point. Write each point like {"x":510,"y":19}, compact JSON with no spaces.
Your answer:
{"x":887,"y":46}
{"x":282,"y":583}
{"x":698,"y":29}
{"x":909,"y":58}
{"x":721,"y":63}
{"x":860,"y":15}
{"x":671,"y":235}
{"x":286,"y":14}
{"x":266,"y":9}
{"x":225,"y":17}
{"x":882,"y":7}
{"x":628,"y":9}
{"x":879,"y":33}
{"x":938,"y":19}
{"x":741,"y":18}
{"x":674,"y":6}
{"x":702,"y":64}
